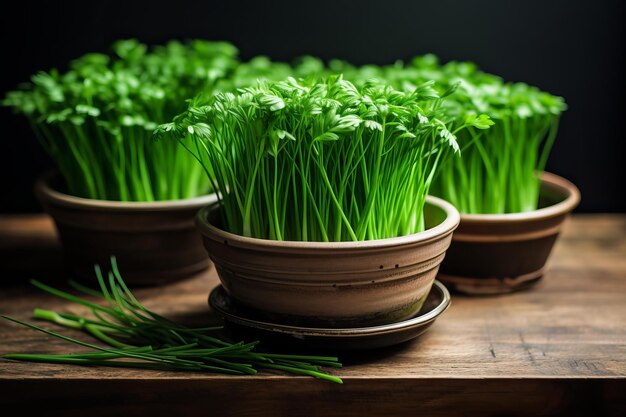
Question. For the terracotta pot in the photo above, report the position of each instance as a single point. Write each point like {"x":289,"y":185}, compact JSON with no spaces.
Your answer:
{"x":154,"y":242}
{"x":336,"y":284}
{"x":499,"y":253}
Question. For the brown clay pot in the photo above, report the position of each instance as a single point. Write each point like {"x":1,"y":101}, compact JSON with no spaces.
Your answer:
{"x":331,"y":284}
{"x":500,"y":253}
{"x":154,"y":242}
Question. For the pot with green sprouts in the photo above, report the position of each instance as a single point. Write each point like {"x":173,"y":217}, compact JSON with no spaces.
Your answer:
{"x":323,"y":215}
{"x":115,"y":190}
{"x":511,"y":210}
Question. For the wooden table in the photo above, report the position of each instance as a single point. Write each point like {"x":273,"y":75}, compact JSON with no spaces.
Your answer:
{"x":557,"y":349}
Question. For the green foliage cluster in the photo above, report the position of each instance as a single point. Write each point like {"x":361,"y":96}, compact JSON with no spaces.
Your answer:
{"x":96,"y":119}
{"x":319,"y":160}
{"x":496,"y":172}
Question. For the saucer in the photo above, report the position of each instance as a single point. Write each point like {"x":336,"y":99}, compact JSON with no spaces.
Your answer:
{"x":333,"y":338}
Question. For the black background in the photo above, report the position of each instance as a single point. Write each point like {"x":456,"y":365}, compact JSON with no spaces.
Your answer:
{"x":570,"y":48}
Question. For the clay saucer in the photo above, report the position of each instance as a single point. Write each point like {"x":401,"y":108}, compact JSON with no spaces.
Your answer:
{"x":350,"y":338}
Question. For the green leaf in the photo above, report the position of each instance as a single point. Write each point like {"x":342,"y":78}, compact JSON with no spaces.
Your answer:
{"x":326,"y":137}
{"x":87,"y":110}
{"x":199,"y":129}
{"x":347,"y":123}
{"x":447,"y":135}
{"x":284,"y":134}
{"x":273,"y":102}
{"x":373,"y":125}
{"x":483,"y":121}
{"x":130,"y":49}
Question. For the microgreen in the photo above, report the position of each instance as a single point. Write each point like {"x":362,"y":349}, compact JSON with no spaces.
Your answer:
{"x":96,"y":119}
{"x":510,"y":130}
{"x":498,"y":172}
{"x":136,"y":337}
{"x":318,"y":160}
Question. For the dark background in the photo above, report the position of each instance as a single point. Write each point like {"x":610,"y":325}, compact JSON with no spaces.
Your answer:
{"x":571,"y":48}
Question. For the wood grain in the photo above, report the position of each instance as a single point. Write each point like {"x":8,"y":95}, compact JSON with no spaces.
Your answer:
{"x":557,"y":349}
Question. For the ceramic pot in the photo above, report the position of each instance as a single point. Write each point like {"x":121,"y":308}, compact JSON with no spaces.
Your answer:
{"x":331,"y":284}
{"x":154,"y":242}
{"x":500,"y":253}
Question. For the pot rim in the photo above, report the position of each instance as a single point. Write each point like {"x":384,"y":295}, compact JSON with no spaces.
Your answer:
{"x":560,"y":184}
{"x":46,"y":193}
{"x":446,"y":227}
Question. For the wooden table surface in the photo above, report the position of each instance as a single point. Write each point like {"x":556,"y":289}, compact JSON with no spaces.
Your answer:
{"x":559,"y":348}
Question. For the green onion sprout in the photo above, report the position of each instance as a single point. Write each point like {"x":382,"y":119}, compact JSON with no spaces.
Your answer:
{"x":135,"y":337}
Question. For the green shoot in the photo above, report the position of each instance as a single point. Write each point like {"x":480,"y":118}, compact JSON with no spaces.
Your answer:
{"x":139,"y":338}
{"x":96,"y":120}
{"x":510,"y":130}
{"x":318,"y":160}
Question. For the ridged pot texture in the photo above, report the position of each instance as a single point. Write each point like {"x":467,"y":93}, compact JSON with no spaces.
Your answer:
{"x":154,"y":242}
{"x":338,"y":284}
{"x":500,"y":253}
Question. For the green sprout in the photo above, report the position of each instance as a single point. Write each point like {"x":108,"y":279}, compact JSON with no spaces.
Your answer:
{"x":96,"y":119}
{"x":136,"y":337}
{"x":319,"y":160}
{"x":511,"y":130}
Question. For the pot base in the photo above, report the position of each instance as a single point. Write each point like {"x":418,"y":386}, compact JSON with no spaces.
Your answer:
{"x":502,"y":253}
{"x":491,"y":286}
{"x":353,"y":338}
{"x":397,"y":314}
